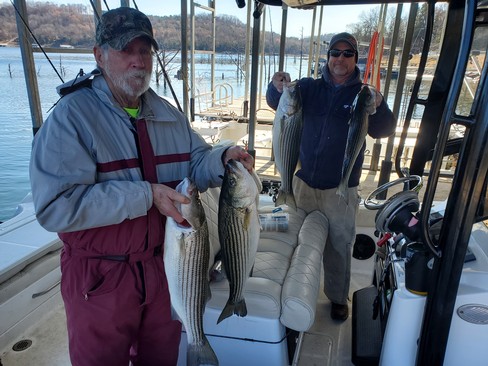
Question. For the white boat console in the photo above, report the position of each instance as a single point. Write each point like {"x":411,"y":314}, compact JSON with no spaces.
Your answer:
{"x":387,"y":316}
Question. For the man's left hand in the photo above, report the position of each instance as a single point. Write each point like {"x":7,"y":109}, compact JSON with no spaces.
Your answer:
{"x":239,"y":154}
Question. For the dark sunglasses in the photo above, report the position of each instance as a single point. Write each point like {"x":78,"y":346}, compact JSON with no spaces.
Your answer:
{"x":338,"y":53}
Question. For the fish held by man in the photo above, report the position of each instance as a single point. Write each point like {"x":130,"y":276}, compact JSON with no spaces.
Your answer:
{"x":186,"y":261}
{"x":239,"y":231}
{"x":364,"y":104}
{"x":287,"y":135}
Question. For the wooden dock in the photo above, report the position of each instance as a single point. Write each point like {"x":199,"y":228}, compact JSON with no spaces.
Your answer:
{"x":228,"y":108}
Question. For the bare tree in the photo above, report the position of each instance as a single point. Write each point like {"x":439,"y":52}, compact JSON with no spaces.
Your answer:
{"x":166,"y":58}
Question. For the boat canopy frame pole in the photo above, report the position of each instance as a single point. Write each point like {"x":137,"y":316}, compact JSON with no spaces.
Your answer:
{"x":310,"y":46}
{"x":184,"y":55}
{"x":247,"y":52}
{"x":192,"y":61}
{"x":262,"y":57}
{"x":414,"y":98}
{"x":389,"y":69}
{"x":210,"y":8}
{"x":438,"y":92}
{"x":317,"y":45}
{"x":379,"y":46}
{"x":375,"y":156}
{"x":258,"y":9}
{"x":284,"y":19}
{"x":387,"y":164}
{"x":29,"y":65}
{"x":394,"y":41}
{"x":97,"y":11}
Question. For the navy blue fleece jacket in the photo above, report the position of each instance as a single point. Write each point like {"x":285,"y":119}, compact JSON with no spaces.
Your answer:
{"x":326,"y":113}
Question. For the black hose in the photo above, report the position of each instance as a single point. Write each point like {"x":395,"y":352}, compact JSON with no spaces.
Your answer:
{"x":165,"y":74}
{"x":95,"y":10}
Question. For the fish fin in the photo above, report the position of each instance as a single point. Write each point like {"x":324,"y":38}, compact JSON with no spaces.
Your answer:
{"x":201,"y":354}
{"x":239,"y":308}
{"x":342,"y":192}
{"x":256,"y":179}
{"x":208,"y":293}
{"x":286,"y":199}
{"x":247,"y":218}
{"x":175,"y":316}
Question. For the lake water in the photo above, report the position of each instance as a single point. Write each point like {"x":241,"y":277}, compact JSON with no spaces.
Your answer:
{"x":15,"y":119}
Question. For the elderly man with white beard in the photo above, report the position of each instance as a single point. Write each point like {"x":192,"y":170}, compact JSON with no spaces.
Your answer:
{"x":103,"y":170}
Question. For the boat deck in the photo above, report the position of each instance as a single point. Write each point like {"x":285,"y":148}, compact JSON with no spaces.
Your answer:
{"x":327,"y":343}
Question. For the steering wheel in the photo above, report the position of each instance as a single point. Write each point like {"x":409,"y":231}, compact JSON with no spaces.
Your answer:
{"x":372,"y":203}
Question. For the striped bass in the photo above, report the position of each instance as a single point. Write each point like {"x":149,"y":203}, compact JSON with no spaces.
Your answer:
{"x":287,"y":135}
{"x":364,"y":104}
{"x":186,"y":262}
{"x":239,"y":231}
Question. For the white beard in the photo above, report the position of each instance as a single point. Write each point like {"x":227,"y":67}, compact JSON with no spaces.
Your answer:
{"x":133,"y":83}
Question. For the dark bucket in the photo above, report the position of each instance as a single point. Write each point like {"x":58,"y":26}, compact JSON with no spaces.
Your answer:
{"x":417,"y":268}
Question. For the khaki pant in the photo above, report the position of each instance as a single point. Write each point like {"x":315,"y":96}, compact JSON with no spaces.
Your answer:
{"x":342,"y":234}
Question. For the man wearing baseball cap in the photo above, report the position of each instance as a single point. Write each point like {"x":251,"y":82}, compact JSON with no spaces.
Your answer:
{"x":326,"y":107}
{"x":103,"y":170}
{"x":345,"y":38}
{"x":120,"y":26}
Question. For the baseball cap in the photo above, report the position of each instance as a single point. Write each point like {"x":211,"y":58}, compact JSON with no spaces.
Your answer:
{"x":344,"y":37}
{"x":119,"y":26}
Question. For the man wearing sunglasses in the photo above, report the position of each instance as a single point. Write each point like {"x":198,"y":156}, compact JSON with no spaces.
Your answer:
{"x":326,"y":104}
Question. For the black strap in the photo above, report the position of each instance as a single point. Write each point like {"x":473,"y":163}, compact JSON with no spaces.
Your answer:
{"x":81,"y":81}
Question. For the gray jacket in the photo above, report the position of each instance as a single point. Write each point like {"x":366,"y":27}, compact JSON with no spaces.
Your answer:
{"x":85,"y":171}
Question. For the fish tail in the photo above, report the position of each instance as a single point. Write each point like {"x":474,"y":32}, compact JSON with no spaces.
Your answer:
{"x":342,"y":191}
{"x":201,"y":354}
{"x":239,"y":308}
{"x":284,"y":198}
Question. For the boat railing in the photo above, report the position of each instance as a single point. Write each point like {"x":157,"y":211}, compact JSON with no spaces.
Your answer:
{"x":215,"y":102}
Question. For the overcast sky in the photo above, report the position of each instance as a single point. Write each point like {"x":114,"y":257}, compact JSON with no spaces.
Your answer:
{"x":335,"y":18}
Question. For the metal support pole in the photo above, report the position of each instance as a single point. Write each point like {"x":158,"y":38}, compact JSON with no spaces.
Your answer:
{"x":284,"y":16}
{"x":246,"y":62}
{"x":317,"y":47}
{"x":29,"y":66}
{"x":262,"y":51}
{"x":192,"y":77}
{"x":376,"y":153}
{"x":97,"y":4}
{"x":254,"y":77}
{"x":310,"y":49}
{"x":387,"y":164}
{"x":184,"y":57}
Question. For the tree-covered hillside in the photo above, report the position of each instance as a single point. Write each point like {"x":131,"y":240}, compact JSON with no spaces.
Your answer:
{"x":54,"y":25}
